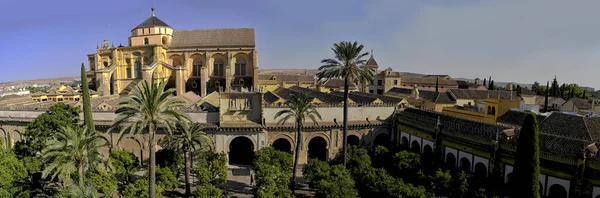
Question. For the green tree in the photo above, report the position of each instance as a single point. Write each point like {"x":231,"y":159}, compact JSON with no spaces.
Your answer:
{"x":45,"y":127}
{"x":461,"y":184}
{"x":437,"y":81}
{"x":124,"y":163}
{"x":170,"y":158}
{"x":406,"y":164}
{"x":382,"y":158}
{"x":207,"y":191}
{"x":555,"y":89}
{"x":87,"y":107}
{"x":77,"y":191}
{"x":12,"y":172}
{"x":440,"y":183}
{"x":72,"y":149}
{"x":272,"y":168}
{"x":546,"y":98}
{"x":527,"y":160}
{"x":144,"y":110}
{"x":211,"y":169}
{"x":184,"y":137}
{"x":103,"y":181}
{"x":300,"y":108}
{"x":139,"y":189}
{"x":350,"y":65}
{"x":315,"y":170}
{"x":166,"y":178}
{"x":329,"y":181}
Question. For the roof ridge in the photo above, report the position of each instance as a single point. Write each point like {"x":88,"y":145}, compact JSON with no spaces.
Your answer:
{"x":189,"y":30}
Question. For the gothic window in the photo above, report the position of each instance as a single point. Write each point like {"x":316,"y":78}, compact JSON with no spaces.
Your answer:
{"x":196,"y":66}
{"x":138,"y":69}
{"x":218,"y":68}
{"x":146,"y":42}
{"x":240,"y":67}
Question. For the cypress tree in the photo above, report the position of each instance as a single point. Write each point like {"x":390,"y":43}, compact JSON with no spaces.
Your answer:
{"x":546,"y":98}
{"x":525,"y":181}
{"x":491,"y":85}
{"x":584,"y":94}
{"x":484,"y":83}
{"x":436,"y":84}
{"x":572,"y":93}
{"x":85,"y":96}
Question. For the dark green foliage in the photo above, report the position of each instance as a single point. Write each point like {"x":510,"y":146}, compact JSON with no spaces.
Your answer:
{"x":104,"y":182}
{"x":527,"y":160}
{"x":273,"y":170}
{"x":166,"y":178}
{"x":329,"y":181}
{"x":207,"y":191}
{"x":124,"y":163}
{"x":139,"y":189}
{"x":437,"y":81}
{"x":546,"y":98}
{"x":85,"y":95}
{"x":12,"y":172}
{"x":406,"y":165}
{"x":440,"y":183}
{"x":484,"y":82}
{"x":170,"y":158}
{"x":211,"y":169}
{"x":382,"y":158}
{"x":44,"y":127}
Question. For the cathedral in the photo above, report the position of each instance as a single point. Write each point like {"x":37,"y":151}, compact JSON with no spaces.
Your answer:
{"x":200,"y":60}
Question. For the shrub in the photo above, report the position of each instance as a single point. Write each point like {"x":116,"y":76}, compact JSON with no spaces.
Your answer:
{"x":207,"y":191}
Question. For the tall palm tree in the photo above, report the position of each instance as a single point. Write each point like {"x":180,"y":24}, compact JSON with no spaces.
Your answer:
{"x":350,"y":65}
{"x":144,"y":110}
{"x":300,"y":108}
{"x":72,"y":149}
{"x":185,"y":137}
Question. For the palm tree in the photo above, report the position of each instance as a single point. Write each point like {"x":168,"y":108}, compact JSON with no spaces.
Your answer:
{"x":300,"y":108}
{"x":349,"y":65}
{"x":184,"y":137}
{"x":144,"y":110}
{"x":72,"y":149}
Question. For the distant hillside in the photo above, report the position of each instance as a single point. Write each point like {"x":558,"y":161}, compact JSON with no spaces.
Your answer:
{"x":288,"y":71}
{"x":41,"y":81}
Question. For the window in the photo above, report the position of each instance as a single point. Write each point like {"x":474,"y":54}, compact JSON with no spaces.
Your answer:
{"x":128,"y":69}
{"x":240,"y":67}
{"x":379,"y":82}
{"x":379,"y":91}
{"x":138,"y":69}
{"x":370,"y":91}
{"x":218,"y":68}
{"x":395,"y":82}
{"x":143,"y":32}
{"x":146,"y":42}
{"x":196,"y":66}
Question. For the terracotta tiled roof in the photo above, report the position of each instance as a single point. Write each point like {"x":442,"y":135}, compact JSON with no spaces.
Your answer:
{"x":432,"y":96}
{"x":400,"y":92}
{"x":151,"y":22}
{"x":229,"y":37}
{"x":582,"y":103}
{"x":573,"y":126}
{"x":336,"y":83}
{"x":372,"y":63}
{"x":525,"y":91}
{"x":270,"y":97}
{"x":355,"y":97}
{"x":551,"y":100}
{"x":516,"y":118}
{"x":410,"y":81}
{"x":326,"y":98}
{"x":385,"y":99}
{"x":482,"y":94}
{"x":285,"y":93}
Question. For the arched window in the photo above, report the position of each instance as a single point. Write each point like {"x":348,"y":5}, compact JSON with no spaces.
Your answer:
{"x":146,"y":42}
{"x":138,"y":69}
{"x":218,"y":68}
{"x":196,"y":66}
{"x":493,"y":110}
{"x":128,"y":70}
{"x":489,"y":110}
{"x":240,"y":67}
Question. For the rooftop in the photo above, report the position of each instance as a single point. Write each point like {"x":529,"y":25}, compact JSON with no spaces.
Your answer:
{"x":224,"y":37}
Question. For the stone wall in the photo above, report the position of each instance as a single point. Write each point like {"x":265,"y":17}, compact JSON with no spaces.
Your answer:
{"x":330,"y":113}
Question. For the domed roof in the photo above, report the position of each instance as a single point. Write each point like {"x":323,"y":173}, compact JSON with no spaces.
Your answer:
{"x":151,"y":22}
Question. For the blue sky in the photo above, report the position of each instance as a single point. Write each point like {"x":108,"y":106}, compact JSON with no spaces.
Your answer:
{"x":510,"y":40}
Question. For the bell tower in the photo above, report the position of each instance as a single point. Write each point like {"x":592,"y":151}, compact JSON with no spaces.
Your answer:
{"x":152,"y":31}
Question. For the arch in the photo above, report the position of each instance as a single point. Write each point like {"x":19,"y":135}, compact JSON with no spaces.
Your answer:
{"x":493,"y":110}
{"x":405,"y":143}
{"x":112,"y":84}
{"x":465,"y":164}
{"x":450,"y":160}
{"x":317,"y":148}
{"x":381,"y":139}
{"x":557,"y":191}
{"x":165,"y":40}
{"x":241,"y":150}
{"x":415,"y":147}
{"x":138,"y":69}
{"x":196,"y":66}
{"x":282,"y":144}
{"x":427,"y":158}
{"x":6,"y":138}
{"x":176,"y":60}
{"x":218,"y":67}
{"x":489,"y":110}
{"x":480,"y":171}
{"x":240,"y":65}
{"x":353,"y":140}
{"x":146,"y":41}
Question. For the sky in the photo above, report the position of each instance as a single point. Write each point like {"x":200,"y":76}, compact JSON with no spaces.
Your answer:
{"x":511,"y":40}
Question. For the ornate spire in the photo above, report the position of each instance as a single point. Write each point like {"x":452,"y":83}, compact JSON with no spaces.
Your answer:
{"x":152,"y":10}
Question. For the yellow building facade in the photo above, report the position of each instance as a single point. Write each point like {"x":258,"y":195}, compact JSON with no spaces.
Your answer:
{"x":201,"y":61}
